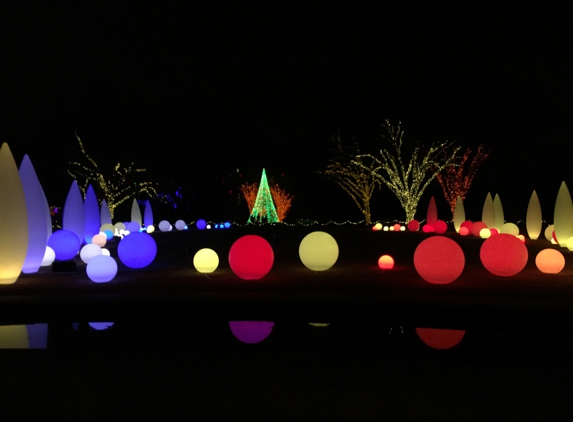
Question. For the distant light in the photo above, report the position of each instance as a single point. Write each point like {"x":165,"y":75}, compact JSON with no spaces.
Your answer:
{"x":428,"y":228}
{"x":180,"y":225}
{"x":485,"y":233}
{"x":164,"y":225}
{"x":385,"y":228}
{"x":227,"y":225}
{"x":397,"y":227}
{"x":201,"y":224}
{"x":150,"y":229}
{"x":386,"y":262}
{"x":509,"y":228}
{"x":464,"y":231}
{"x":440,"y":226}
{"x":414,"y":225}
{"x":439,"y":260}
{"x":208,"y":226}
{"x":378,"y":226}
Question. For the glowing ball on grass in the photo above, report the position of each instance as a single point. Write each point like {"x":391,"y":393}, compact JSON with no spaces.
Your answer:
{"x":108,"y":229}
{"x":91,"y":215}
{"x":397,"y":227}
{"x":428,"y":228}
{"x":493,"y":231}
{"x":49,"y":257}
{"x":402,"y":228}
{"x":119,"y":226}
{"x":550,"y":261}
{"x":13,"y":219}
{"x":440,"y":227}
{"x":137,"y":250}
{"x":468,"y":224}
{"x":509,"y":228}
{"x":201,"y":224}
{"x":89,"y":252}
{"x":391,"y":228}
{"x":133,"y":227}
{"x":485,"y":233}
{"x":38,"y":213}
{"x":251,"y":331}
{"x":378,"y":226}
{"x":464,"y":231}
{"x":180,"y":225}
{"x":414,"y":225}
{"x":533,"y":220}
{"x":65,"y":243}
{"x":150,"y":229}
{"x":477,"y":227}
{"x":503,"y":255}
{"x":386,"y":262}
{"x":440,"y":339}
{"x":227,"y":225}
{"x":251,"y":257}
{"x":206,"y":260}
{"x":100,"y":239}
{"x":318,"y":251}
{"x":164,"y":225}
{"x":439,"y":260}
{"x":101,"y":269}
{"x":549,"y":232}
{"x":385,"y":228}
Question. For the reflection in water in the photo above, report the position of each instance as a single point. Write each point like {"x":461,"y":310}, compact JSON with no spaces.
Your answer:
{"x":33,"y":336}
{"x":100,"y":325}
{"x":441,"y":339}
{"x":319,"y":324}
{"x":251,"y":331}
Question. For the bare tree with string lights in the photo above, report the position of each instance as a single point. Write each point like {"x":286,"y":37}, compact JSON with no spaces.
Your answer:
{"x":457,"y":178}
{"x":347,"y":169}
{"x":407,"y":175}
{"x":118,"y":187}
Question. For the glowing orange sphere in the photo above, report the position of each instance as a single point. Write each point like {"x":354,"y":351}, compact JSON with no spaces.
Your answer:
{"x":414,"y":225}
{"x":397,"y":227}
{"x":504,"y":255}
{"x":439,"y":260}
{"x":440,"y":339}
{"x":550,"y":261}
{"x":386,"y":262}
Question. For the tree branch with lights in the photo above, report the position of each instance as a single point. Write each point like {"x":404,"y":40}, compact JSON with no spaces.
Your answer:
{"x":457,"y":178}
{"x":407,"y":175}
{"x":349,"y":171}
{"x":116,"y":189}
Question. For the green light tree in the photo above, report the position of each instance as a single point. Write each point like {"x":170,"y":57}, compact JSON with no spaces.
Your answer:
{"x":408,"y":176}
{"x":119,"y":187}
{"x":264,"y":208}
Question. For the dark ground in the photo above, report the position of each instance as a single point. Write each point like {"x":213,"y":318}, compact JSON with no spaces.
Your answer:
{"x":170,"y":353}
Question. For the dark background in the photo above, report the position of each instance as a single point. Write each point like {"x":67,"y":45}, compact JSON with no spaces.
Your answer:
{"x":193,"y":92}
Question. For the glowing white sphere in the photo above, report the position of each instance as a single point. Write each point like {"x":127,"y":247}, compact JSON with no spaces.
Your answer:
{"x":105,"y":252}
{"x":485,"y":233}
{"x":318,"y":251}
{"x":206,"y":260}
{"x":101,"y":269}
{"x":378,"y":226}
{"x":164,"y":226}
{"x":100,"y":240}
{"x":180,"y":225}
{"x":49,"y":257}
{"x":90,"y":251}
{"x":402,"y":228}
{"x":391,"y":228}
{"x":385,"y":228}
{"x":150,"y":229}
{"x":208,"y":226}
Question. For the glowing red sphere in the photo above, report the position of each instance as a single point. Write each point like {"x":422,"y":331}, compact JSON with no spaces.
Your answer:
{"x":386,"y":262}
{"x":414,"y":225}
{"x":464,"y":231}
{"x":251,"y":257}
{"x":438,"y":338}
{"x":440,"y":226}
{"x":428,"y":228}
{"x":397,"y":227}
{"x":504,"y":255}
{"x":439,"y":260}
{"x":477,"y":227}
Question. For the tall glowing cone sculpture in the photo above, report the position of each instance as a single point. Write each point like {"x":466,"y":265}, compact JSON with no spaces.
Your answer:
{"x":37,"y":208}
{"x":91,"y":215}
{"x":13,"y":219}
{"x":563,"y":216}
{"x":105,"y":216}
{"x":73,"y":218}
{"x":459,"y":214}
{"x":499,"y":219}
{"x":136,"y":212}
{"x":488,"y":212}
{"x":148,"y":215}
{"x":533,"y":219}
{"x":432,"y":214}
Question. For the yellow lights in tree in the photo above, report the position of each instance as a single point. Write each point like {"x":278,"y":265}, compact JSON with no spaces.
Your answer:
{"x":408,"y":175}
{"x":458,"y":176}
{"x":349,"y":171}
{"x":116,"y":188}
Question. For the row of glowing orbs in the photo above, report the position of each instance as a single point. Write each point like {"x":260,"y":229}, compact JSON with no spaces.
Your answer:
{"x":251,"y":257}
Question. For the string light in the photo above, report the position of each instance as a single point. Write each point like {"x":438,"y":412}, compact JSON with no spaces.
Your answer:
{"x":455,"y":180}
{"x":117,"y":188}
{"x":264,"y":208}
{"x":352,"y":175}
{"x":407,"y":181}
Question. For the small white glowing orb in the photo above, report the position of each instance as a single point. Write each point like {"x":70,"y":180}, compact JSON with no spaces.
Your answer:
{"x":101,"y":269}
{"x":208,"y":226}
{"x":402,"y":228}
{"x":318,"y":251}
{"x":105,"y":252}
{"x":378,"y":226}
{"x":550,"y":261}
{"x":549,"y":232}
{"x":180,"y":225}
{"x":164,"y":225}
{"x":100,"y":240}
{"x":391,"y":228}
{"x":90,"y":251}
{"x":49,"y":257}
{"x":385,"y":228}
{"x":485,"y":233}
{"x":386,"y":262}
{"x":509,"y":228}
{"x":150,"y":229}
{"x":206,"y":260}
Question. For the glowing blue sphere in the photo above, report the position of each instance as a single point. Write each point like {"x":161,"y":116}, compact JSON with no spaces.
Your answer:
{"x":201,"y":224}
{"x":108,"y":234}
{"x":101,"y":269}
{"x":65,"y":243}
{"x":216,"y":226}
{"x":180,"y":225}
{"x":137,"y":250}
{"x":133,"y":226}
{"x":227,"y":225}
{"x":164,"y":226}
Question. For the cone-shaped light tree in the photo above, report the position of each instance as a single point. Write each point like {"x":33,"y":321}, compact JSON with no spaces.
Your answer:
{"x":533,"y":221}
{"x":349,"y":171}
{"x":457,"y":177}
{"x":264,"y":209}
{"x":408,"y":175}
{"x":281,"y":198}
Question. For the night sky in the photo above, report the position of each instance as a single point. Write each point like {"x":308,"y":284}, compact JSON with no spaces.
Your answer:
{"x":193,"y":93}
